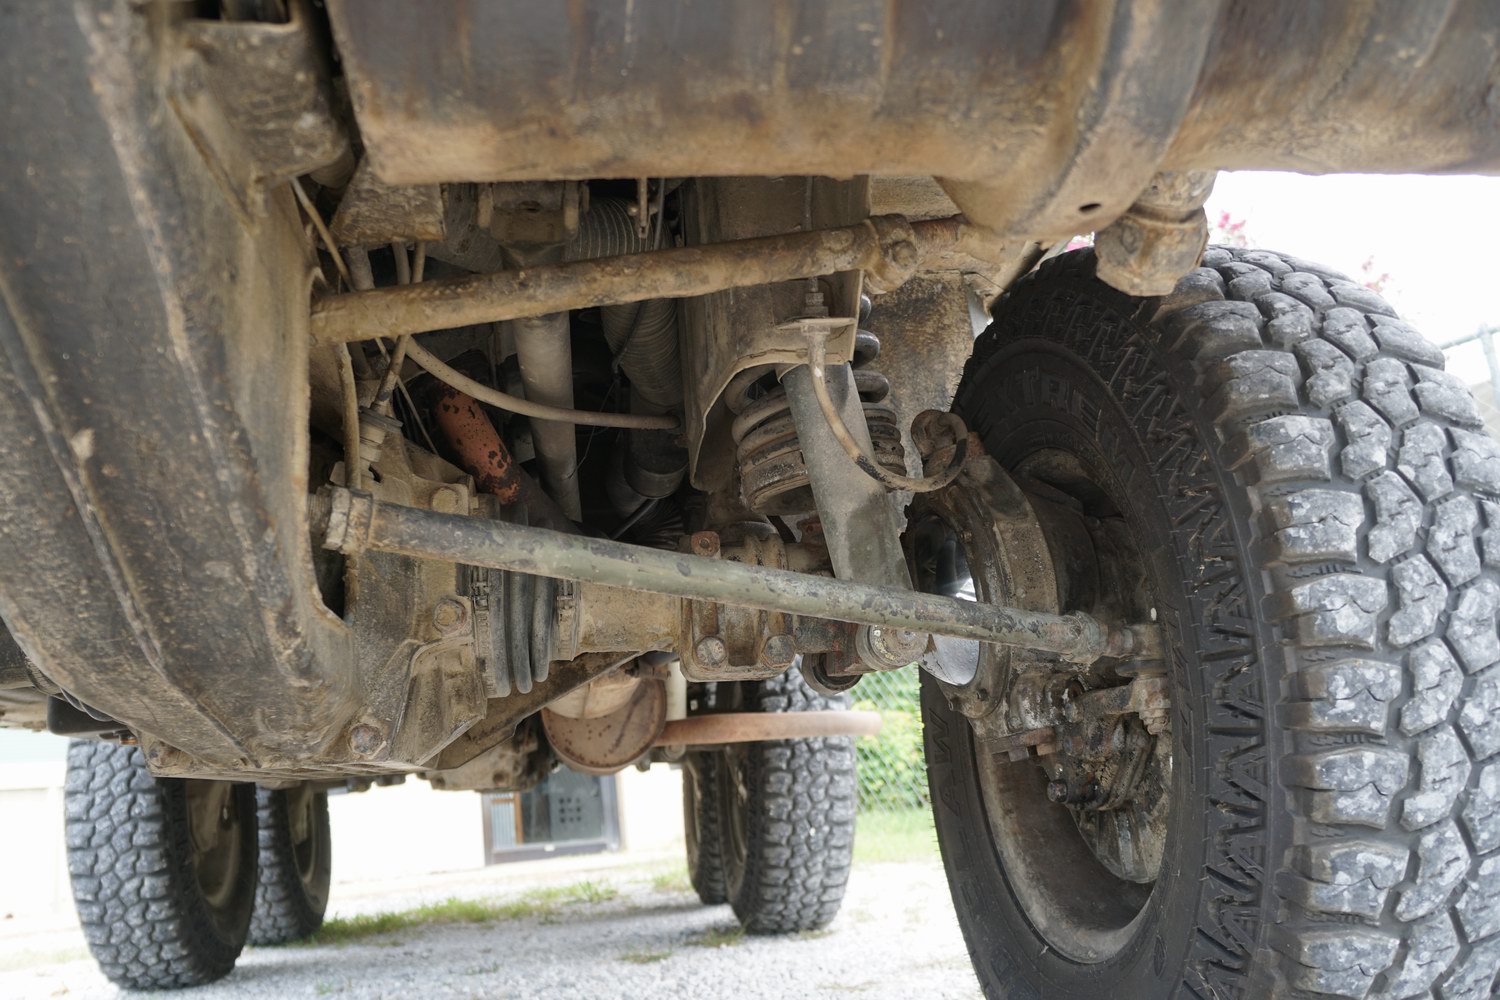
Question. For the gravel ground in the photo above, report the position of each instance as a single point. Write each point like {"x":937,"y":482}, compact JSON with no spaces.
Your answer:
{"x":896,"y":938}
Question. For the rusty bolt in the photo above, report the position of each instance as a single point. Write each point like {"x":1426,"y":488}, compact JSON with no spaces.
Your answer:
{"x":365,"y":740}
{"x":449,"y":615}
{"x":778,"y":651}
{"x":1155,"y":721}
{"x":711,"y":651}
{"x":706,"y":543}
{"x":165,"y":756}
{"x":1057,"y":791}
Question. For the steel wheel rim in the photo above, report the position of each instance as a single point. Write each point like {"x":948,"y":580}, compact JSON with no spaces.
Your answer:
{"x":213,"y":829}
{"x":307,"y":846}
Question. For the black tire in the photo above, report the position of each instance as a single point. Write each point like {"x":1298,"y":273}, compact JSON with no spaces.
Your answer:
{"x":700,"y":824}
{"x":296,"y":864}
{"x":787,"y":815}
{"x":140,"y":894}
{"x":1325,"y":500}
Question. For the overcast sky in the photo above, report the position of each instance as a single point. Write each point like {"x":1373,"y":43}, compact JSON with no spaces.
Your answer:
{"x":1433,"y":235}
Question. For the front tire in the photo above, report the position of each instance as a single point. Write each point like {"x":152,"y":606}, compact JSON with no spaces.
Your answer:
{"x":163,"y":869}
{"x":1319,"y":510}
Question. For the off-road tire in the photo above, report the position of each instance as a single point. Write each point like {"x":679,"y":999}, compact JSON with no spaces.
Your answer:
{"x":700,"y":824}
{"x":130,"y":855}
{"x":290,"y":898}
{"x":788,"y":843}
{"x":1334,"y":505}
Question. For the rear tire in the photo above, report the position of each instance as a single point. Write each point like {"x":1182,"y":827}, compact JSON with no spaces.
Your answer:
{"x":296,"y":864}
{"x":787,"y":814}
{"x":1323,"y":512}
{"x":164,"y":900}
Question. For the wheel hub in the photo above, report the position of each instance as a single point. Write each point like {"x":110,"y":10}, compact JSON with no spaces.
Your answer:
{"x":1082,"y":753}
{"x":213,"y":822}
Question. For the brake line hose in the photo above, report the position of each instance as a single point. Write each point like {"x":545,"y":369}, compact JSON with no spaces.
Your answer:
{"x":817,"y":358}
{"x":525,"y":407}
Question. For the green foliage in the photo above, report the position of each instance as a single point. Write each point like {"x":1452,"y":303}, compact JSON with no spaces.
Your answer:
{"x":892,"y":772}
{"x":895,"y":836}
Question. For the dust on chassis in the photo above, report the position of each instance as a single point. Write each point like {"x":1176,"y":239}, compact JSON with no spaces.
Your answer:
{"x":457,"y":390}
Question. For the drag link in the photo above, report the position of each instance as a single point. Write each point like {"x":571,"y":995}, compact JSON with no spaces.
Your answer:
{"x":355,"y":522}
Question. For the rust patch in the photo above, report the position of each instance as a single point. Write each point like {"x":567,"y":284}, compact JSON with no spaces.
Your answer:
{"x":481,"y":452}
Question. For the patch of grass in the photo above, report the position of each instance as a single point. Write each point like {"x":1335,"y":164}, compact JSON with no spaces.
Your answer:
{"x":645,"y":957}
{"x":590,"y":892}
{"x":719,"y":937}
{"x":675,"y":880}
{"x":482,"y":970}
{"x":342,"y":930}
{"x":575,"y":892}
{"x":816,"y":935}
{"x":540,"y":904}
{"x":895,"y":836}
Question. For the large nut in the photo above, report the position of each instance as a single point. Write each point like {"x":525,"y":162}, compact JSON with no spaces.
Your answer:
{"x":365,"y":740}
{"x":778,"y":651}
{"x":446,"y":499}
{"x":711,"y":651}
{"x":1160,"y":238}
{"x":450,"y":616}
{"x":705,"y":543}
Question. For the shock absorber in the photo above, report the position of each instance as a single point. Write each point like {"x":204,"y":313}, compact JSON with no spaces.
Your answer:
{"x":773,"y":472}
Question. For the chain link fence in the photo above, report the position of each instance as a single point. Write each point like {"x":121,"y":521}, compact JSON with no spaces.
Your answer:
{"x":894,"y":803}
{"x":895,"y":808}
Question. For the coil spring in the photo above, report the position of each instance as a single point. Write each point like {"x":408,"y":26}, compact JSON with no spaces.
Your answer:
{"x":773,"y":473}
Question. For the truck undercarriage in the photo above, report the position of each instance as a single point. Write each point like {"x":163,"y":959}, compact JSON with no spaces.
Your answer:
{"x":457,"y":390}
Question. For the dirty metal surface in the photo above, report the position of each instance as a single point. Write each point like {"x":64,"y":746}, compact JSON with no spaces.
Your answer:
{"x":502,"y":715}
{"x":1039,"y":117}
{"x":147,"y":398}
{"x":609,"y":742}
{"x":257,"y":100}
{"x":373,"y":213}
